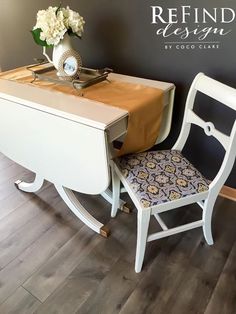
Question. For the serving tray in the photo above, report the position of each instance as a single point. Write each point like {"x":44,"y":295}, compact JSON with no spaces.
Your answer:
{"x":87,"y":76}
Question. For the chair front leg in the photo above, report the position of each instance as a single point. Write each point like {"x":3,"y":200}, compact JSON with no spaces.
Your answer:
{"x":143,"y":218}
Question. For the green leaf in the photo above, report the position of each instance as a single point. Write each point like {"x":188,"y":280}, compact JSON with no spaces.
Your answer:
{"x":36,"y":35}
{"x":70,"y":33}
{"x":58,"y":8}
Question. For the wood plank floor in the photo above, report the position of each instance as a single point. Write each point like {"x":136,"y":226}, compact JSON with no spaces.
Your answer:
{"x":51,"y":263}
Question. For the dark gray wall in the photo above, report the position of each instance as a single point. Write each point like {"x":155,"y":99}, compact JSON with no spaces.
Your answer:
{"x":119,"y":34}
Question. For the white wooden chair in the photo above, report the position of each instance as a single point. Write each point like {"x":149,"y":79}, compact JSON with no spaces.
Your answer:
{"x":159,"y":181}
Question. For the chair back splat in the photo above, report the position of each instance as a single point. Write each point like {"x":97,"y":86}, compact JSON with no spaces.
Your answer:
{"x":159,"y":181}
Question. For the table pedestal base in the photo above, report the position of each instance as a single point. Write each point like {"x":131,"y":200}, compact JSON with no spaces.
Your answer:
{"x":71,"y":201}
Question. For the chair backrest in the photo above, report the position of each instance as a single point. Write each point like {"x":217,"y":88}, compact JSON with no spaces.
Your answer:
{"x":227,"y":96}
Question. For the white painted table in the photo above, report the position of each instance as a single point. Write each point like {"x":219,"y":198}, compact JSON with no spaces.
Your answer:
{"x":65,"y":139}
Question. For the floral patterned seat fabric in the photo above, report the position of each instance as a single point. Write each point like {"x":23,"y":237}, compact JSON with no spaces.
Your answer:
{"x":161,"y":176}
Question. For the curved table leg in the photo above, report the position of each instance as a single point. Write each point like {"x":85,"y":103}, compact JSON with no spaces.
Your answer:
{"x":30,"y":187}
{"x":107,"y":195}
{"x":72,"y":202}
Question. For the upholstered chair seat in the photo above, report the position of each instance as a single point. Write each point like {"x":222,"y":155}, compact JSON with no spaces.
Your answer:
{"x":161,"y":176}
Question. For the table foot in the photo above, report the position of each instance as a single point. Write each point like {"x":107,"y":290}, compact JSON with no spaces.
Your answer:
{"x":105,"y":232}
{"x":126,"y":208}
{"x":78,"y":209}
{"x":30,"y":187}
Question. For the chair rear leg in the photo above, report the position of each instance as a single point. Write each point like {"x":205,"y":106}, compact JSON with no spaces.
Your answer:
{"x":115,"y":193}
{"x":207,"y":217}
{"x":142,"y":232}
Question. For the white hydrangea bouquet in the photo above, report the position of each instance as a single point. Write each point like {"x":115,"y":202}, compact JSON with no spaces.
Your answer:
{"x":52,"y":24}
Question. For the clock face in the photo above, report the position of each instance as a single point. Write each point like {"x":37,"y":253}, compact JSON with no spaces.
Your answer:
{"x":70,"y":66}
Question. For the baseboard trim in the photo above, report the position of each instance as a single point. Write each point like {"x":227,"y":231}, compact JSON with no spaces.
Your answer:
{"x":228,"y":192}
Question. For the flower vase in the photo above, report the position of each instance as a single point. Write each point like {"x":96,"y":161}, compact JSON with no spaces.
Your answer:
{"x":58,"y":50}
{"x":64,"y":58}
